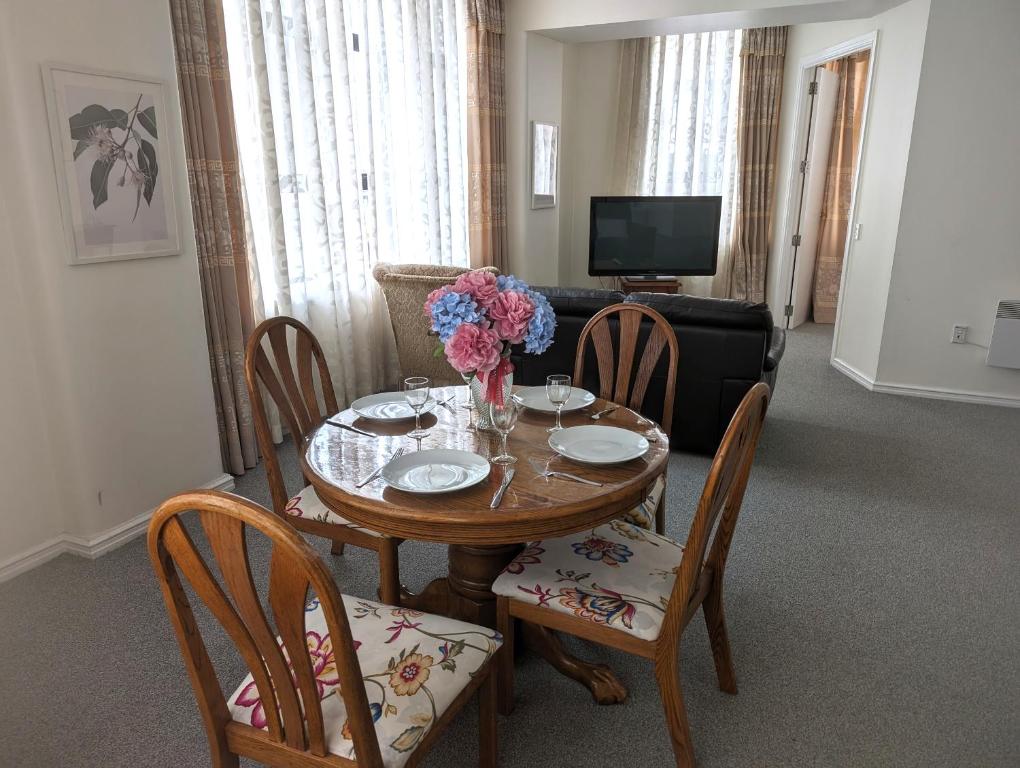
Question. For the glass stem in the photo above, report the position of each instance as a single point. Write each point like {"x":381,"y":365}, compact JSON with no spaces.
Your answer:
{"x":503,"y":435}
{"x":417,"y":419}
{"x":559,"y":408}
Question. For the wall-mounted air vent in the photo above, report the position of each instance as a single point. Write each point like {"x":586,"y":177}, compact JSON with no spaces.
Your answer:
{"x":1004,"y":349}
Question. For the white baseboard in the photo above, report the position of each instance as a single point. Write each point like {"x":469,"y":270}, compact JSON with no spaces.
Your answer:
{"x":848,"y":370}
{"x":93,"y":546}
{"x":936,"y":393}
{"x":932,"y":393}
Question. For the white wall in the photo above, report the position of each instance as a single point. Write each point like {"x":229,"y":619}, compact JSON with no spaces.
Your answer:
{"x":116,"y":353}
{"x":590,"y":106}
{"x":537,"y":231}
{"x":897,"y":66}
{"x":958,"y":253}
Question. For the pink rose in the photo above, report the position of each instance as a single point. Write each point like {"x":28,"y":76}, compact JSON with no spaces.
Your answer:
{"x":473,"y":348}
{"x":481,"y":286}
{"x":433,"y":298}
{"x":511,"y":313}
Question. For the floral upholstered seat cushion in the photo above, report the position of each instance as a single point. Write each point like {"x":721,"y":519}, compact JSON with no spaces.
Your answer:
{"x":618,"y":574}
{"x":644,"y":513}
{"x":308,"y":505}
{"x":413,"y":664}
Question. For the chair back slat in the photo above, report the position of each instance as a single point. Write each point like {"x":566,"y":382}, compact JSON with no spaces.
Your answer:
{"x":604,"y":355}
{"x":653,"y":351}
{"x":304,"y":357}
{"x":181,"y":548}
{"x":290,"y":699}
{"x":617,"y":372}
{"x":720,"y":503}
{"x":289,"y":378}
{"x":288,"y":593}
{"x":285,"y":369}
{"x":226,"y":537}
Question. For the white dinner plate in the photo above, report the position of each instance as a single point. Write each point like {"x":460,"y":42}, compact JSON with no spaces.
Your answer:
{"x":388,"y":406}
{"x":595,"y":444}
{"x":440,"y":470}
{"x":536,"y":399}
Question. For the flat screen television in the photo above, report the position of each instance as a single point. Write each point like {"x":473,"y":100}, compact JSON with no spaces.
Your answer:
{"x":654,"y":235}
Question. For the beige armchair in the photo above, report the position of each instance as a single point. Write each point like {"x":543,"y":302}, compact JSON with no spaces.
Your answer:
{"x":406,"y":286}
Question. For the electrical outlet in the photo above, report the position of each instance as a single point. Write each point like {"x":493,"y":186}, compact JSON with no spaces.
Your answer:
{"x":857,"y":231}
{"x":959,"y":334}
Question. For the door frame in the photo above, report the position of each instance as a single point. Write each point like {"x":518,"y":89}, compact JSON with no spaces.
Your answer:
{"x":802,"y":110}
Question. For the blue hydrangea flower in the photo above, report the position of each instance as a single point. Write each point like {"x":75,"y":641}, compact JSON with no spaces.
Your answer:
{"x":451,"y":310}
{"x":543,"y":323}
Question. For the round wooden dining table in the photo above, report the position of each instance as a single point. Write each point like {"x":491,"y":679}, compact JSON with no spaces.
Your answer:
{"x":482,"y":540}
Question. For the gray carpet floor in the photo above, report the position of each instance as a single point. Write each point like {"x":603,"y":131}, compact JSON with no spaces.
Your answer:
{"x":873,"y":600}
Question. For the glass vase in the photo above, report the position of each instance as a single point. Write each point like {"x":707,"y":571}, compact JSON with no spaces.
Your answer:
{"x":481,"y":404}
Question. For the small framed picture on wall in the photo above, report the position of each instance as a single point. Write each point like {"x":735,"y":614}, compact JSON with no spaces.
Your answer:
{"x":112,"y":157}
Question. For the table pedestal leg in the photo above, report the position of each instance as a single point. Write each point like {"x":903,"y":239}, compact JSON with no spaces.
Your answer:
{"x":472,"y":571}
{"x":598,"y":678}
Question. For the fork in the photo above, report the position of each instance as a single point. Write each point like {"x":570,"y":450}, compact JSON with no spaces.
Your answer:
{"x":378,"y":470}
{"x":544,"y":471}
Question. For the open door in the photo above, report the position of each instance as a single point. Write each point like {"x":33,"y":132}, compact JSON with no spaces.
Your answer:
{"x":813,"y":168}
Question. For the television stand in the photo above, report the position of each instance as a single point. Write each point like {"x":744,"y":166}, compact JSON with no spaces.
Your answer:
{"x":650,"y":285}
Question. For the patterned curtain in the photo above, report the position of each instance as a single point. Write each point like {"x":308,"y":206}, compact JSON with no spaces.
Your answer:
{"x":486,"y":134}
{"x":846,"y":135}
{"x":351,"y":135}
{"x":677,"y":127}
{"x":214,"y":184}
{"x":761,"y":87}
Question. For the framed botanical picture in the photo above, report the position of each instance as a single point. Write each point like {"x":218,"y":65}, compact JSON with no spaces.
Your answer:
{"x":111,"y":152}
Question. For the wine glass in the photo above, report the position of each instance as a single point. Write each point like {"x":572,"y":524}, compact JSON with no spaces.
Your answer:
{"x":504,"y":419}
{"x":416,"y":390}
{"x":557,"y":389}
{"x":470,"y":402}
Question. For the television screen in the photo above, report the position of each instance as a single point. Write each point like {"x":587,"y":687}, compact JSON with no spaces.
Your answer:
{"x":654,"y":235}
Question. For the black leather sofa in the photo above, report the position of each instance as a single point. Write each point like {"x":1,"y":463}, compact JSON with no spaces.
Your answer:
{"x":726,"y":347}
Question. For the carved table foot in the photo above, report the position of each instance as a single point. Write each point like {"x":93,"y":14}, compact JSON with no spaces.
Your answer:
{"x":598,"y":678}
{"x":435,"y":598}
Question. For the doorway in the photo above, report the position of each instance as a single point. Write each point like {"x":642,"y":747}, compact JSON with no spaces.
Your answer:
{"x":832,"y":112}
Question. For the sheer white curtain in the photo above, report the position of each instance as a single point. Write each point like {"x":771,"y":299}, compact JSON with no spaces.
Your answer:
{"x":351,"y":134}
{"x":678,"y":127}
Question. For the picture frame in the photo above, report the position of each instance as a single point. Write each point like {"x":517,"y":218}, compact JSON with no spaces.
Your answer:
{"x":113,"y":162}
{"x":545,"y":151}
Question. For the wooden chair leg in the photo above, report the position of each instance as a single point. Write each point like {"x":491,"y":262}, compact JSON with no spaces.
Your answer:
{"x":667,"y":675}
{"x":660,"y":515}
{"x":487,"y":735}
{"x":505,"y":656}
{"x":337,"y":547}
{"x":715,"y":620}
{"x":389,"y":572}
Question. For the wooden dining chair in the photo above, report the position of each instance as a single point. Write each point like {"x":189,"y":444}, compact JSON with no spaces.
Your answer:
{"x":340,"y":681}
{"x":623,"y":586}
{"x":621,"y":383}
{"x":304,"y":407}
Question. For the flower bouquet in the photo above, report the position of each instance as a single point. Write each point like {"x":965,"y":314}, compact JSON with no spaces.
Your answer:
{"x":477,"y":319}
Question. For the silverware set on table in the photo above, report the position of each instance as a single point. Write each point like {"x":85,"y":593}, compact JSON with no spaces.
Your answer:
{"x":648,"y":434}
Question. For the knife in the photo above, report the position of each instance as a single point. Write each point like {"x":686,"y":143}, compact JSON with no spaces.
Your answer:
{"x":348,"y":426}
{"x":507,"y":477}
{"x":576,"y":478}
{"x":396,"y":455}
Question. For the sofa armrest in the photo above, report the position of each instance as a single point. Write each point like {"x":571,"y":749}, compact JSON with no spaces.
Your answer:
{"x":775,"y":351}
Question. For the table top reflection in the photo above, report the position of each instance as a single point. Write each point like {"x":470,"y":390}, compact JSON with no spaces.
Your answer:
{"x":336,"y":459}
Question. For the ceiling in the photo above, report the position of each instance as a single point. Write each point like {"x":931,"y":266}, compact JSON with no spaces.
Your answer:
{"x":798,"y":13}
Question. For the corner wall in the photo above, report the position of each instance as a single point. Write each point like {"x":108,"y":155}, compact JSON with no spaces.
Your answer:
{"x":883,"y":164}
{"x":112,"y":391}
{"x":958,"y":253}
